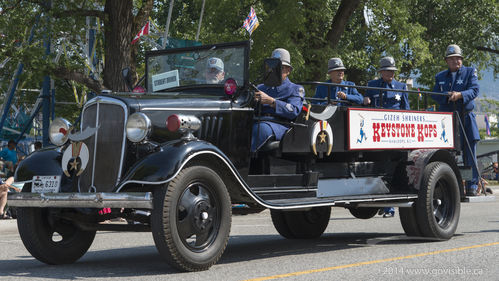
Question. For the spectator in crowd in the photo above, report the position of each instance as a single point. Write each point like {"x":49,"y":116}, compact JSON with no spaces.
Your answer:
{"x":38,"y":145}
{"x":4,"y":190}
{"x":460,"y":83}
{"x":9,"y":156}
{"x":336,"y":72}
{"x":283,"y":102}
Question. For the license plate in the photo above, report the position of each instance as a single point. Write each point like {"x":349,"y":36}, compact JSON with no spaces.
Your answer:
{"x":46,"y":184}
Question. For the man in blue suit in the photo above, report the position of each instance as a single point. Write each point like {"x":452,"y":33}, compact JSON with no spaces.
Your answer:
{"x":461,"y":85}
{"x":281,"y":103}
{"x":391,"y":98}
{"x":336,"y":72}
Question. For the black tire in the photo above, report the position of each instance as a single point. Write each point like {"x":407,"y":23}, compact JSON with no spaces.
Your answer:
{"x":191,"y":219}
{"x":409,"y":221}
{"x":50,"y":239}
{"x":363,"y":213}
{"x":438,"y":205}
{"x":301,"y":224}
{"x":280,"y":224}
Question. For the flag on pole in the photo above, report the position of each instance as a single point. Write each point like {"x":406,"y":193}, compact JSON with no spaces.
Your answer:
{"x":487,"y":125}
{"x":143,"y":31}
{"x":251,"y":21}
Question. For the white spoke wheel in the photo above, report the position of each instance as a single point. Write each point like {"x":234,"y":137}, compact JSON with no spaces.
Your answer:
{"x":191,"y":219}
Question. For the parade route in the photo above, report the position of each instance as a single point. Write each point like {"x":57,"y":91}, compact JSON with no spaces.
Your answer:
{"x":350,"y":249}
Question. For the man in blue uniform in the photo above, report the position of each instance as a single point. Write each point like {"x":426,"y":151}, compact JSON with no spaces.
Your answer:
{"x":461,"y":85}
{"x":281,"y":103}
{"x":336,"y":72}
{"x":391,"y":98}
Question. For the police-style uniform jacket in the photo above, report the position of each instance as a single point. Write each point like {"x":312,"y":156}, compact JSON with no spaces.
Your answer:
{"x":288,"y":104}
{"x":391,"y":99}
{"x":466,"y":82}
{"x":352,"y":94}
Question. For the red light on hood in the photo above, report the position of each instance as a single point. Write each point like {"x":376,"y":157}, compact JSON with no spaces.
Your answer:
{"x":230,"y":86}
{"x":173,"y":123}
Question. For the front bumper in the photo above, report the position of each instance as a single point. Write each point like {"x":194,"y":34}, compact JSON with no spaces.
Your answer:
{"x":138,"y":200}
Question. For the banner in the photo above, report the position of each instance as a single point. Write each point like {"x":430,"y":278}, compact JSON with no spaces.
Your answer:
{"x":395,"y":129}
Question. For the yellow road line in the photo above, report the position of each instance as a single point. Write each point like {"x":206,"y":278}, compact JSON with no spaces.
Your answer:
{"x":298,"y":273}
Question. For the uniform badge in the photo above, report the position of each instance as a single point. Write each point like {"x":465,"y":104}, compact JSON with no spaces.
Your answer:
{"x":76,"y":157}
{"x":301,"y":92}
{"x":397,"y":97}
{"x":322,"y":138}
{"x":289,"y":107}
{"x":459,"y":81}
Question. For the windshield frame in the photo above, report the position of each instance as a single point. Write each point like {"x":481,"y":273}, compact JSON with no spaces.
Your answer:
{"x":244,"y":44}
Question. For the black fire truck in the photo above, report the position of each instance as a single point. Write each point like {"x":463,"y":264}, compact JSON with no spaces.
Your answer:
{"x":174,"y":160}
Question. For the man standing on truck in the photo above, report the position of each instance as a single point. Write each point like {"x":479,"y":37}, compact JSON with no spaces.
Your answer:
{"x":281,"y":103}
{"x":336,"y":72}
{"x":391,"y":98}
{"x":461,"y":85}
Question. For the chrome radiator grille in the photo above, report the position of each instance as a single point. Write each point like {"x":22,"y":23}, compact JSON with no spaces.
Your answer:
{"x":106,"y":147}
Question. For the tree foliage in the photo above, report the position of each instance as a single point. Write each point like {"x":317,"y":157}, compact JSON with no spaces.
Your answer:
{"x":414,"y":32}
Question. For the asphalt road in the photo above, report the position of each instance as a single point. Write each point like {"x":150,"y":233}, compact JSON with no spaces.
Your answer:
{"x":350,"y":249}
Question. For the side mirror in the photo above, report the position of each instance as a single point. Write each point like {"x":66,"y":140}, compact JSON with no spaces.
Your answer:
{"x":126,"y":74}
{"x":272,"y":69}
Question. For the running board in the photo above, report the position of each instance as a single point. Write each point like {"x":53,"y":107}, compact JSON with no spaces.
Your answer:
{"x":139,"y":200}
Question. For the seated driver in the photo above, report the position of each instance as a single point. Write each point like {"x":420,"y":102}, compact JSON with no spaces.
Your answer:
{"x":214,"y":71}
{"x":281,"y":103}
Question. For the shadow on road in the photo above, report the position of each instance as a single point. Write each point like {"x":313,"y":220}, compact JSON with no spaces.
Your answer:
{"x":145,"y":260}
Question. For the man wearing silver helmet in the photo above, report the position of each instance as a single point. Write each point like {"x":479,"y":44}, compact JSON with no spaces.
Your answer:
{"x":283,"y":102}
{"x":391,"y":98}
{"x":461,"y":85}
{"x":336,"y":71}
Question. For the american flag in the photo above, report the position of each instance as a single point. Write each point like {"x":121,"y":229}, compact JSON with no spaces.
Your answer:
{"x":251,"y":21}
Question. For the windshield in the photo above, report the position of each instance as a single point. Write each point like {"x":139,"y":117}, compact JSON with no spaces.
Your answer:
{"x":205,"y":65}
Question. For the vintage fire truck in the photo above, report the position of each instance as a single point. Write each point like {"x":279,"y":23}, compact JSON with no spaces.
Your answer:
{"x":174,"y":160}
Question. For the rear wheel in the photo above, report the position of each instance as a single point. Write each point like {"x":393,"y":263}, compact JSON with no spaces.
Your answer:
{"x":301,"y":224}
{"x":191,"y":219}
{"x":363,"y":213}
{"x":438,"y":205}
{"x":409,"y":221}
{"x":50,"y":239}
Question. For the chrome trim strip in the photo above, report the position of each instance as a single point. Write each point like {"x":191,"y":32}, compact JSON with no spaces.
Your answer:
{"x":96,"y":138}
{"x":142,"y":200}
{"x":114,"y":101}
{"x":180,"y":109}
{"x":387,"y":204}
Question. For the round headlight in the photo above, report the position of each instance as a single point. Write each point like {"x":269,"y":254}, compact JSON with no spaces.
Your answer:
{"x":59,"y":131}
{"x":138,"y":127}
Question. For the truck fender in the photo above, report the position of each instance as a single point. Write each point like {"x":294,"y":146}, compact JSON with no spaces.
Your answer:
{"x":46,"y":162}
{"x":162,"y":166}
{"x":419,"y":159}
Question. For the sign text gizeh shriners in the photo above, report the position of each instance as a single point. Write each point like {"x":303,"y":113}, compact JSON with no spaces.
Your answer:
{"x":397,"y":129}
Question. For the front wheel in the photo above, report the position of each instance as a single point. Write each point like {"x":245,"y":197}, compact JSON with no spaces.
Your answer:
{"x":301,"y":224}
{"x":191,"y":219}
{"x":51,"y":239}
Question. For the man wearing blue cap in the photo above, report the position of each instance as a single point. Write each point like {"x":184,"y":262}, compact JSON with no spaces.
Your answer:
{"x":461,"y":85}
{"x":281,"y":103}
{"x":336,"y":72}
{"x":391,"y":98}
